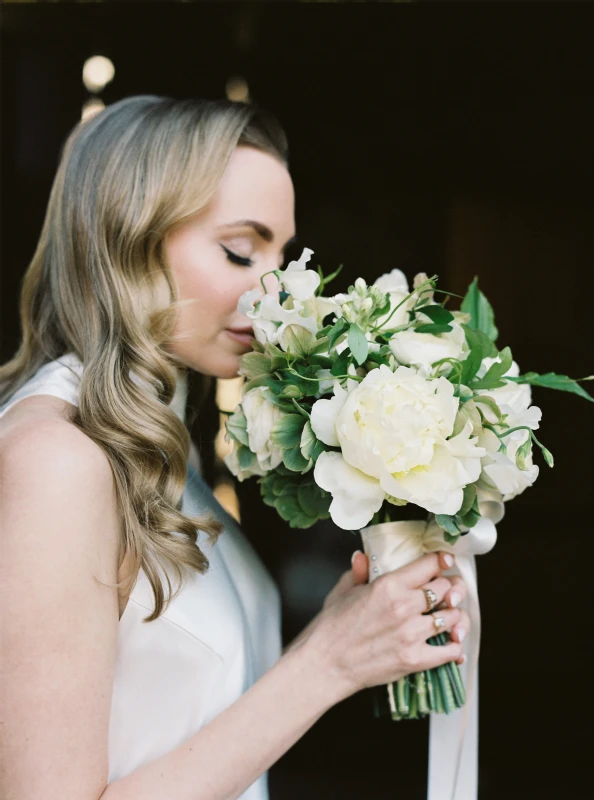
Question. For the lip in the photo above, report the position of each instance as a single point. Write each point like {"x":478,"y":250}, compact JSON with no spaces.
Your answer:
{"x":244,"y":336}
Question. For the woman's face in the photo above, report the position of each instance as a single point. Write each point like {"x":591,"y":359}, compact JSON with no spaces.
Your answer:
{"x":222,"y":252}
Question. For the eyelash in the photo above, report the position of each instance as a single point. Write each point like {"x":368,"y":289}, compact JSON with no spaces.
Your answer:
{"x":243,"y":261}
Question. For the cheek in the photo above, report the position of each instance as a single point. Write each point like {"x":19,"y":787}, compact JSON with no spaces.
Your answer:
{"x":214,"y":293}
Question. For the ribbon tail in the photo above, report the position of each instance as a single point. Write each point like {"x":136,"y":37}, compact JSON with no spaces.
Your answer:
{"x":453,"y":738}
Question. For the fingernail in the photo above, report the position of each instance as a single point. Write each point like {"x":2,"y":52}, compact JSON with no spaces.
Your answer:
{"x":353,"y":556}
{"x":449,"y":559}
{"x":455,"y":598}
{"x":461,"y":634}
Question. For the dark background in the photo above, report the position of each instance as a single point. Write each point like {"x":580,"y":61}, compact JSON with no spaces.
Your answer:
{"x":450,"y":138}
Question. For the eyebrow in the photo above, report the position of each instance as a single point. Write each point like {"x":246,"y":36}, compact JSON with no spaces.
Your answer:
{"x":262,"y":230}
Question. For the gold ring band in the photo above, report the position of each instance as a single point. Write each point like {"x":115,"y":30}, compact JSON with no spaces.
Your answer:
{"x":430,"y":598}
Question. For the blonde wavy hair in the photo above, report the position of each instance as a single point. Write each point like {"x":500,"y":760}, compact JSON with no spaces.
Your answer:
{"x":99,"y":286}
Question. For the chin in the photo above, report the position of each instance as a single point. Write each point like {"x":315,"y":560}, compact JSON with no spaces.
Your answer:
{"x":225,"y":365}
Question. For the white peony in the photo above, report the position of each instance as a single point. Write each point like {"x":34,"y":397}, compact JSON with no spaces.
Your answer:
{"x":421,"y":350}
{"x":261,"y":414}
{"x":393,"y":428}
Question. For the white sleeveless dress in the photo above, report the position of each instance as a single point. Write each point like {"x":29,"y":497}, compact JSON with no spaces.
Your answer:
{"x":217,"y":637}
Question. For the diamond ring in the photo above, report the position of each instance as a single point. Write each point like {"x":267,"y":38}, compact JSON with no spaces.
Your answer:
{"x":438,"y":622}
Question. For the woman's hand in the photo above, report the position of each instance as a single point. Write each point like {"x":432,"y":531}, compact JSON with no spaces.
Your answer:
{"x":375,"y":633}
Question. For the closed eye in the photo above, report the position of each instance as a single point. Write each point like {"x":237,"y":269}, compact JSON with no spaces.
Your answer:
{"x":243,"y":261}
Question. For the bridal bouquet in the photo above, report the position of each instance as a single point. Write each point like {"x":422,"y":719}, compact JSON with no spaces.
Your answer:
{"x":358,"y":404}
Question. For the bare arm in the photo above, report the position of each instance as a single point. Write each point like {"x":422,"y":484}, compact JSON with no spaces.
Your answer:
{"x":61,"y":641}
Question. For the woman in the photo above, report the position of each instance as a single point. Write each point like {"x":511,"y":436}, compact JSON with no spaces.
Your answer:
{"x":141,"y":653}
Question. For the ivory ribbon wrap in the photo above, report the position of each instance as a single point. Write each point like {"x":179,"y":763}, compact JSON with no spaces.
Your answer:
{"x":453,"y":738}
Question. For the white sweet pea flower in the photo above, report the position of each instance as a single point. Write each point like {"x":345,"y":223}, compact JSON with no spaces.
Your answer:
{"x":261,"y":414}
{"x":298,"y":281}
{"x":248,"y":300}
{"x":394,"y":281}
{"x":394,"y":427}
{"x":395,"y":284}
{"x":500,"y":471}
{"x":355,"y":496}
{"x":513,"y":400}
{"x":270,"y":318}
{"x":421,"y":350}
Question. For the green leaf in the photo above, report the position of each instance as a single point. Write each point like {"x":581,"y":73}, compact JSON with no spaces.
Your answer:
{"x":321,"y":347}
{"x":252,"y":365}
{"x":293,"y":460}
{"x":450,"y":538}
{"x":237,"y":427}
{"x":481,"y":313}
{"x":245,"y":457}
{"x":297,"y":340}
{"x":472,"y":516}
{"x":314,"y":501}
{"x":286,"y":432}
{"x":336,"y":331}
{"x":448,"y":523}
{"x":342,"y":363}
{"x":471,"y":365}
{"x":261,"y":380}
{"x":358,"y":344}
{"x":495,"y":372}
{"x":469,"y":498}
{"x":321,"y":362}
{"x":310,"y":445}
{"x":278,"y":359}
{"x":436,"y":313}
{"x":288,"y":507}
{"x":478,"y":339}
{"x":551,"y":380}
{"x":433,"y":328}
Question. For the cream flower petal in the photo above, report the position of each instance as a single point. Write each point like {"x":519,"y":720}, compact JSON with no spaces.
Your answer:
{"x":323,"y":416}
{"x":356,"y":497}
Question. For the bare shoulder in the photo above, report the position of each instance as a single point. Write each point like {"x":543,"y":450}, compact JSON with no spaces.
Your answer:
{"x":60,"y":533}
{"x":51,"y":474}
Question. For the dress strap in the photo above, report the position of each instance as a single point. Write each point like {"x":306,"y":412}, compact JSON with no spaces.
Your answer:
{"x":59,"y":378}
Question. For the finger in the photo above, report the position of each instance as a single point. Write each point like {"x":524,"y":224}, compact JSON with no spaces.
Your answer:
{"x":423,"y":569}
{"x":461,"y":628}
{"x":359,"y":568}
{"x":434,"y":656}
{"x":450,"y":618}
{"x":345,"y":582}
{"x":458,"y":591}
{"x":439,"y":586}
